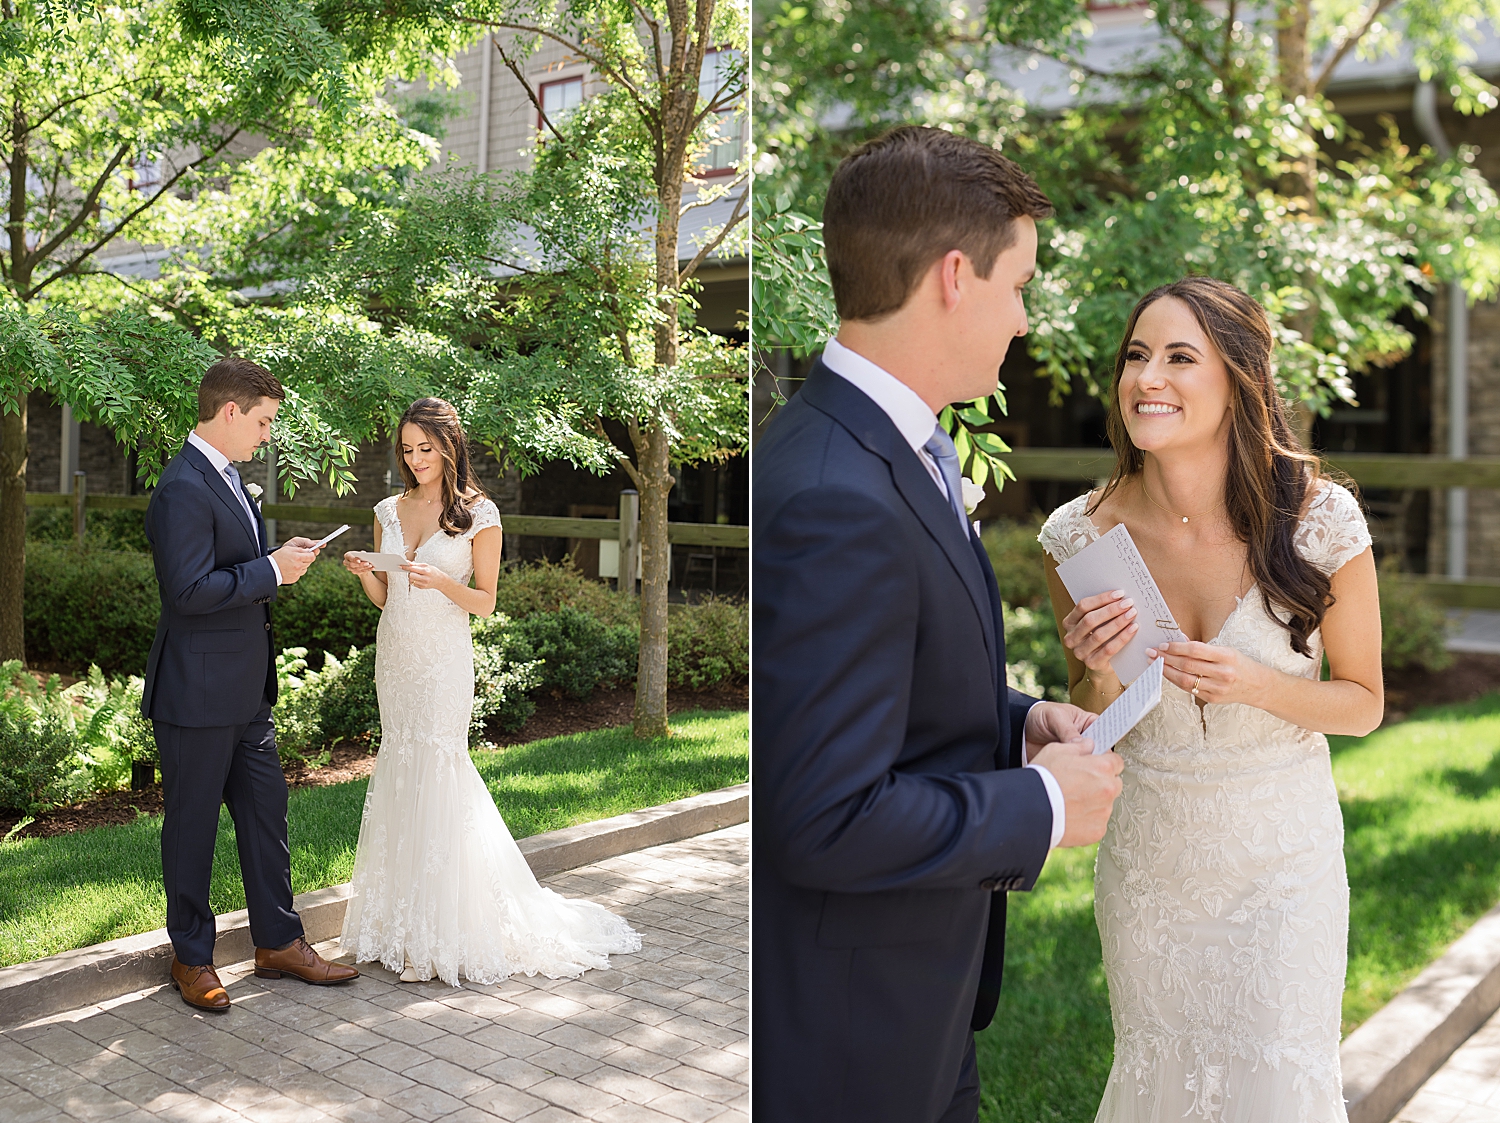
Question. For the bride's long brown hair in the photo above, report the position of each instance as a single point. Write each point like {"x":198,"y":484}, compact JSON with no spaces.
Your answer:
{"x":438,"y":420}
{"x":1269,"y":474}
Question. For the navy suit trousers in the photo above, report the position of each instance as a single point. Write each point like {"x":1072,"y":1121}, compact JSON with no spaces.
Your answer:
{"x":235,"y":765}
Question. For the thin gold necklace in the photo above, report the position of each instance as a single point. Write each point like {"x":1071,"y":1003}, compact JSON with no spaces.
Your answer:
{"x":1175,"y":514}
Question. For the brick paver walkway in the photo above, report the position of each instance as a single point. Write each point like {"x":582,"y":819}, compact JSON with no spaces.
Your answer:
{"x":658,"y":1038}
{"x":1466,"y":1089}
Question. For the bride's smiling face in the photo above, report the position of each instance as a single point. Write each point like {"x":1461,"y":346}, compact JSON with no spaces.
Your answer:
{"x":1174,"y":389}
{"x":422,"y":456}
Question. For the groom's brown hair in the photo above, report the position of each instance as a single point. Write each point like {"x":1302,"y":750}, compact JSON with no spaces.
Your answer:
{"x":238,"y":380}
{"x":901,"y":201}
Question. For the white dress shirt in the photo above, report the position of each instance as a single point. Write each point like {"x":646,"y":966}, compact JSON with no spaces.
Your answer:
{"x":914,"y":420}
{"x":221,"y":465}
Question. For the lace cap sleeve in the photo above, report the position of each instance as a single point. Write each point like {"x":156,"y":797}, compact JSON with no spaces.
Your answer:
{"x":486,"y":515}
{"x":1067,"y":530}
{"x":1333,"y":530}
{"x":385,"y":510}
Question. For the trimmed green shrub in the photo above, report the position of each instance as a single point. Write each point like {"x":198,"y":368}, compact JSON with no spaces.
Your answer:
{"x":504,"y":677}
{"x":325,"y":611}
{"x":350,"y":707}
{"x":708,"y":643}
{"x":104,"y":530}
{"x":1018,"y":560}
{"x":546,"y":587}
{"x":578,"y":652}
{"x":1413,"y":629}
{"x":90,"y":606}
{"x":1035,"y":660}
{"x":101,"y":606}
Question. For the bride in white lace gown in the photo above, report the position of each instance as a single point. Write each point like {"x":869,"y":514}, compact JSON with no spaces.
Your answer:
{"x":440,"y":887}
{"x":1220,"y":891}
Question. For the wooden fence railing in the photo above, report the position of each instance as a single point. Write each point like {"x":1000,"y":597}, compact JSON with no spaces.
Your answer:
{"x":686,"y":534}
{"x":1366,"y":469}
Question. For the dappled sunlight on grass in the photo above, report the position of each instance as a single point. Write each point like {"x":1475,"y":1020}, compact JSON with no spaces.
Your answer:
{"x":1421,"y":806}
{"x":84,"y":888}
{"x":562,"y":781}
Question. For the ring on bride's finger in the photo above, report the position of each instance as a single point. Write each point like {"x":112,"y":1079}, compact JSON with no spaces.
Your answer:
{"x":1196,"y":680}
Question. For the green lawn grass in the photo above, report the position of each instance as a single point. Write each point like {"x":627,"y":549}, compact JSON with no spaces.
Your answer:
{"x":83,"y":888}
{"x":1421,"y":804}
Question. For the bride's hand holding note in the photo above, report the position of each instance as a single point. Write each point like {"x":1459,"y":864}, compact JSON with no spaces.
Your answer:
{"x":424,"y":576}
{"x":1096,"y":631}
{"x":1216,"y":673}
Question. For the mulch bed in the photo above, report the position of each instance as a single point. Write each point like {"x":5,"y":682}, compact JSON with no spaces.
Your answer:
{"x":554,"y":717}
{"x":1470,"y":676}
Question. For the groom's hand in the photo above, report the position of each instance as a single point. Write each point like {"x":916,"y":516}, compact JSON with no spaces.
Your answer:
{"x":1047,"y":722}
{"x":294,"y":558}
{"x":1090,"y":785}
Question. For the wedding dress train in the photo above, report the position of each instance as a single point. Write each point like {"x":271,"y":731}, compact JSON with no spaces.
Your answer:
{"x":1219,"y":890}
{"x":438,"y":880}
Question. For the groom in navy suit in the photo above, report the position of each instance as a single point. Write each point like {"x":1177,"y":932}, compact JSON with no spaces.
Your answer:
{"x":211,"y":683}
{"x":901,"y":790}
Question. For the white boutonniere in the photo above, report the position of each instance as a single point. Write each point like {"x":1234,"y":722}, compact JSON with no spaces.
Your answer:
{"x":256,"y":491}
{"x":973,"y":494}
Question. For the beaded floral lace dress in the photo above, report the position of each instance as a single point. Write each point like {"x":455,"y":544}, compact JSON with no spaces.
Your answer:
{"x":1219,"y":890}
{"x":437,"y":877}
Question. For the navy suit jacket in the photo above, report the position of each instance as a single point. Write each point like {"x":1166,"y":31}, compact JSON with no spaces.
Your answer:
{"x":890,"y":811}
{"x":213,"y":662}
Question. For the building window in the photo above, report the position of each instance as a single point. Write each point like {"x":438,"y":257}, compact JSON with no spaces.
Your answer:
{"x":558,"y":100}
{"x":726,"y":129}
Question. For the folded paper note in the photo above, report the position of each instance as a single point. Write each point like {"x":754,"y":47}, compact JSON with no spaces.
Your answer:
{"x":331,"y":537}
{"x":1112,"y":562}
{"x":1121,"y":716}
{"x":384,"y":563}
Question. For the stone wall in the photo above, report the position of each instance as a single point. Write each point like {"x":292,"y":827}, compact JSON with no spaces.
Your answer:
{"x":110,"y":467}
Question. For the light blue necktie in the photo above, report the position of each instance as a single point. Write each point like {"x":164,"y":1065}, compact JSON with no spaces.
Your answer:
{"x":940,"y":447}
{"x":238,"y":487}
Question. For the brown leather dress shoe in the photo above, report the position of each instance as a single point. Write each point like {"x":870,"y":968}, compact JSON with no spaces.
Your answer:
{"x":299,"y":959}
{"x":199,"y":986}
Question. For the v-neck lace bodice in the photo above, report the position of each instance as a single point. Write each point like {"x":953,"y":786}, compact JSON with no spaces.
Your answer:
{"x":1220,"y":891}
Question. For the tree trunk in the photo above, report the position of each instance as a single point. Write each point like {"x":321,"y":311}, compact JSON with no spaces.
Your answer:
{"x":1294,"y":73}
{"x":13,"y":441}
{"x":13,"y":531}
{"x":679,"y":102}
{"x":1300,"y":183}
{"x":656,"y":572}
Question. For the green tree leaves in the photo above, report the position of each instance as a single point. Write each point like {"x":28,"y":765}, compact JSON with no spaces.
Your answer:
{"x":1199,"y":152}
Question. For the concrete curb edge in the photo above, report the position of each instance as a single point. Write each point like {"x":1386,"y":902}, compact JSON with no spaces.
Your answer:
{"x":85,"y":976}
{"x":1408,"y":1039}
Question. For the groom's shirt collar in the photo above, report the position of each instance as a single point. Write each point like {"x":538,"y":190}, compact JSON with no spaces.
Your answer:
{"x":908,"y":412}
{"x":215,"y":457}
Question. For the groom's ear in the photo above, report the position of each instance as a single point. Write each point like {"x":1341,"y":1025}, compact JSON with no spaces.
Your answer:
{"x":950,"y":273}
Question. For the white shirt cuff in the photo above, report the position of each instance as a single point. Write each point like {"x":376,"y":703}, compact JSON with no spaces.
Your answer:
{"x":1054,"y":797}
{"x":277,"y":570}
